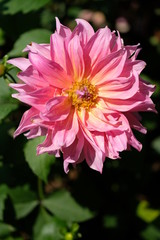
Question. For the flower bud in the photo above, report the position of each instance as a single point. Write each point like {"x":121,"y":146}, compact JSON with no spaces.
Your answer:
{"x":2,"y":70}
{"x":68,"y":236}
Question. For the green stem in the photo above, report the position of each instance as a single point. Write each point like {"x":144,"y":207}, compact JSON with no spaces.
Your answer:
{"x":40,"y":189}
{"x":11,"y":77}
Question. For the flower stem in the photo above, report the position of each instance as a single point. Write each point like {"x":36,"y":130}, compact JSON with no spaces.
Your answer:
{"x":40,"y":189}
{"x":11,"y":77}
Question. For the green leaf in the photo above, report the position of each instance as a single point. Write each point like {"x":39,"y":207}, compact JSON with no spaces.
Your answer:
{"x":7,"y":104}
{"x":35,"y":35}
{"x":42,"y":219}
{"x":145,"y":213}
{"x":5,"y":229}
{"x":5,"y":93}
{"x":15,"y":6}
{"x":41,"y":164}
{"x":47,"y":227}
{"x":13,"y":238}
{"x":48,"y":18}
{"x":156,"y":144}
{"x":151,"y":233}
{"x":6,"y":108}
{"x":154,"y":40}
{"x":2,"y":38}
{"x":24,"y":200}
{"x":3,"y":196}
{"x":110,"y":221}
{"x":65,"y":207}
{"x":74,"y":11}
{"x":49,"y":232}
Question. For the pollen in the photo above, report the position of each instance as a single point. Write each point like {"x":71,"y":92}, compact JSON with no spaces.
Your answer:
{"x":83,"y":94}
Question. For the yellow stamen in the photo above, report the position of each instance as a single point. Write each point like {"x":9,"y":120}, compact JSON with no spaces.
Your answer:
{"x":83,"y":94}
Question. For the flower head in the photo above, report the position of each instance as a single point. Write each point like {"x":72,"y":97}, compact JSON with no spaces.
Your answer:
{"x":84,"y":93}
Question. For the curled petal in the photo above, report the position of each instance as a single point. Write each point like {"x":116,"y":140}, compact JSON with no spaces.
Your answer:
{"x":57,"y":109}
{"x":84,"y":31}
{"x":120,"y":88}
{"x":60,"y":137}
{"x":64,"y":137}
{"x":94,"y":157}
{"x":138,"y":102}
{"x":62,"y":30}
{"x":72,"y":154}
{"x":116,"y":42}
{"x":26,"y":122}
{"x":36,"y":132}
{"x":134,"y":122}
{"x":146,"y":88}
{"x":95,"y":120}
{"x":132,"y":51}
{"x":21,"y":63}
{"x":40,"y":49}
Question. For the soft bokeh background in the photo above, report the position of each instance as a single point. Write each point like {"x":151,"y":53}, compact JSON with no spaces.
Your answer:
{"x":38,"y":201}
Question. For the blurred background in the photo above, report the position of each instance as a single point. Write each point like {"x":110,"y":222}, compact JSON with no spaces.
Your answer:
{"x":42,"y":202}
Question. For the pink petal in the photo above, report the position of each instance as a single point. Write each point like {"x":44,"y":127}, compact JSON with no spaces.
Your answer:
{"x":99,"y":138}
{"x":50,"y":73}
{"x":66,"y":131}
{"x":134,"y":122}
{"x":76,"y":55}
{"x":137,"y":65}
{"x":48,"y":145}
{"x":98,"y":46}
{"x":110,"y":149}
{"x":62,"y":135}
{"x":21,"y":63}
{"x":72,"y":153}
{"x":40,"y":49}
{"x":37,"y":98}
{"x":130,"y":136}
{"x":116,"y":42}
{"x":32,"y":78}
{"x":59,"y":52}
{"x":50,"y":70}
{"x":138,"y":102}
{"x":133,"y":141}
{"x":95,"y":120}
{"x":109,"y":68}
{"x":84,"y":31}
{"x":132,"y":51}
{"x":21,"y":88}
{"x":45,"y":45}
{"x":26,"y":122}
{"x":62,"y":30}
{"x":120,"y":88}
{"x":36,"y":132}
{"x":146,"y":88}
{"x":88,"y":135}
{"x":94,"y":157}
{"x":118,"y":140}
{"x":56,"y":109}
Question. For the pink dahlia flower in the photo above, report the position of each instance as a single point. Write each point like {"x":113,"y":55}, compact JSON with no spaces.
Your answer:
{"x":84,"y":93}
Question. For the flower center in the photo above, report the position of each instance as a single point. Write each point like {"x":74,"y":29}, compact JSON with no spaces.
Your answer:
{"x":83,"y":94}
